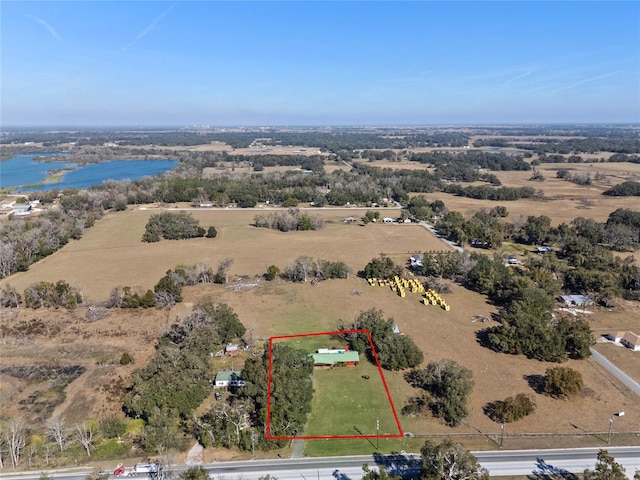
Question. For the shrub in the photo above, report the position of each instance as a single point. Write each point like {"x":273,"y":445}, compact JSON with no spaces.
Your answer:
{"x":126,"y":359}
{"x":562,"y":382}
{"x":111,"y":448}
{"x":272,"y":273}
{"x":510,"y":409}
{"x":212,"y":232}
{"x":112,"y":426}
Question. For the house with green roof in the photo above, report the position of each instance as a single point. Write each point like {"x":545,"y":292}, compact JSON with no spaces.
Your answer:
{"x":347,"y":357}
{"x":229,"y":378}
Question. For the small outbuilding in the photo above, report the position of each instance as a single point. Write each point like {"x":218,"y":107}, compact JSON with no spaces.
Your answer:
{"x":416,"y":261}
{"x":576,"y":300}
{"x":232,"y":349}
{"x":22,"y":210}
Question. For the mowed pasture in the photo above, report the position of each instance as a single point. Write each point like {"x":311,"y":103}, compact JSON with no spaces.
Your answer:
{"x":562,"y":200}
{"x":111,"y":253}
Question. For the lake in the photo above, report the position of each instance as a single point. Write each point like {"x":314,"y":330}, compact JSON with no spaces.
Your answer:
{"x":23,"y":170}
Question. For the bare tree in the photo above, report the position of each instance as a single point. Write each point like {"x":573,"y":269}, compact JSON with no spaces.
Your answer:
{"x":299,"y":270}
{"x":84,"y":436}
{"x":164,"y":299}
{"x":7,"y":259}
{"x":203,"y":273}
{"x":223,"y":269}
{"x":237,"y":414}
{"x":3,"y":442}
{"x":16,"y":439}
{"x":58,"y":432}
{"x":9,"y":297}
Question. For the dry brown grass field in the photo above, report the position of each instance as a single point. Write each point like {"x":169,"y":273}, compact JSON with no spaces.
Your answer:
{"x":562,"y":201}
{"x":111,"y":254}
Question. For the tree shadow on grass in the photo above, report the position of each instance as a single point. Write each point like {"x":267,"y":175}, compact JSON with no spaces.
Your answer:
{"x":482,"y":338}
{"x":536,"y":382}
{"x":544,"y":471}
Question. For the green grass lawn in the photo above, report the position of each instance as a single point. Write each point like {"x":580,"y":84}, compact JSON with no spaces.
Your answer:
{"x":346,"y":403}
{"x":361,"y":446}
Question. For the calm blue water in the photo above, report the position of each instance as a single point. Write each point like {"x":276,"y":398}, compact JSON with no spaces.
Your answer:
{"x":22,"y":169}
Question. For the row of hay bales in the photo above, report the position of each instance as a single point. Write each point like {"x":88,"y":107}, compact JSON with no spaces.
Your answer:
{"x":398,"y":285}
{"x":432,"y":297}
{"x":401,"y":285}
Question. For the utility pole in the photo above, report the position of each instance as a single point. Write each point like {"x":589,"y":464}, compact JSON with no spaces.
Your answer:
{"x":617,"y":414}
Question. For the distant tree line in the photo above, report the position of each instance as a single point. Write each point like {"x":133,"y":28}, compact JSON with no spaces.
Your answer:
{"x":305,"y":269}
{"x":626,"y":143}
{"x":26,"y":240}
{"x":485,"y":192}
{"x":292,"y":219}
{"x":477,"y":159}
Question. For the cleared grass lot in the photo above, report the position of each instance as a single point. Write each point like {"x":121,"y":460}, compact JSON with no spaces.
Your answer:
{"x":347,"y":400}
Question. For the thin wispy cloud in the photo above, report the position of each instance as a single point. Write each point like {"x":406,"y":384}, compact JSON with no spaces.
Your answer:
{"x":148,"y":28}
{"x":592,"y":79}
{"x":47,"y":27}
{"x":517,"y":77}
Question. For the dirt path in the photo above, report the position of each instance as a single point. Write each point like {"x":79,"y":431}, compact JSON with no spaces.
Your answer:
{"x":298,"y":447}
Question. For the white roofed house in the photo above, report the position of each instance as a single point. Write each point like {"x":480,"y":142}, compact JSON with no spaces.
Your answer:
{"x":229,"y":378}
{"x":631,"y":340}
{"x":22,"y":210}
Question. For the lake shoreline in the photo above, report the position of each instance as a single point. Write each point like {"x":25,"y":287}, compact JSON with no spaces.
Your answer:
{"x":35,"y":172}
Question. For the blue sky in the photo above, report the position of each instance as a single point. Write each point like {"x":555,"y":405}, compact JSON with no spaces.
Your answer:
{"x":221,"y":63}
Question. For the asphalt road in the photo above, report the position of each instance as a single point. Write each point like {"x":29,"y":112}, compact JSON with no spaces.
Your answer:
{"x":539,"y":463}
{"x":616,"y":372}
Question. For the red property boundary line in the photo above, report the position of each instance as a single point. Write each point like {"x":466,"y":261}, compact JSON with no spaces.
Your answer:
{"x":326,"y":437}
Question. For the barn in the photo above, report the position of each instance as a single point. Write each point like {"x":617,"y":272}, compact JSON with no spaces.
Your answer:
{"x":335,"y":357}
